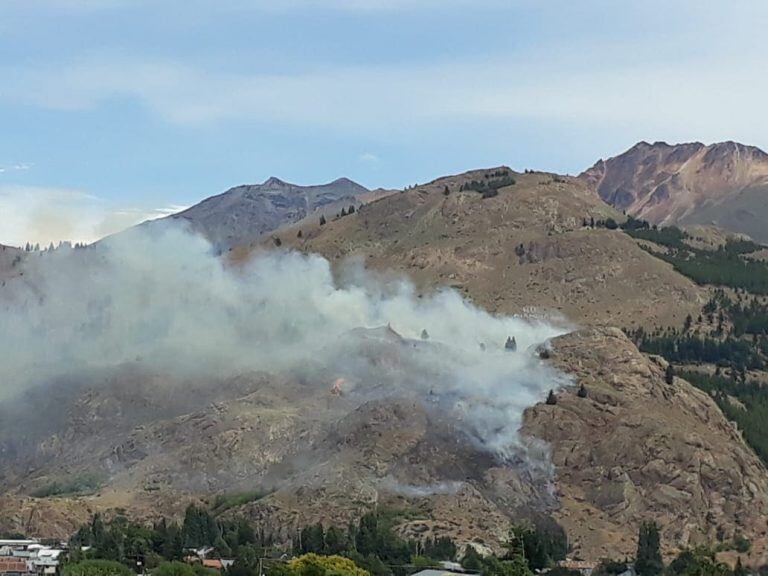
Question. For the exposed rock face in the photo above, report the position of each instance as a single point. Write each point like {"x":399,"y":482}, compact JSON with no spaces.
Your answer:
{"x":637,"y":448}
{"x":725,"y":184}
{"x":245,"y":213}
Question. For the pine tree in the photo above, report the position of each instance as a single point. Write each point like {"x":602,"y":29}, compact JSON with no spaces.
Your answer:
{"x":314,"y":539}
{"x":551,"y":398}
{"x":366,"y":537}
{"x":510,"y":344}
{"x":335,"y":541}
{"x":471,"y":560}
{"x":514,"y":545}
{"x":582,"y":393}
{"x":739,"y":570}
{"x":669,"y":375}
{"x":648,"y":561}
{"x":322,"y":220}
{"x":424,"y":334}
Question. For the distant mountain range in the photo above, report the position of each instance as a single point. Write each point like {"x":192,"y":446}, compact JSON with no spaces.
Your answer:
{"x":243,"y":214}
{"x":724,"y":184}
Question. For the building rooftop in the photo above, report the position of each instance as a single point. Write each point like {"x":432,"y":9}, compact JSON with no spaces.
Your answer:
{"x":441,"y":572}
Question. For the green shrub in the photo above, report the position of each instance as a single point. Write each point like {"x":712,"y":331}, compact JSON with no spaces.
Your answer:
{"x":86,"y":483}
{"x":174,"y":569}
{"x":96,"y":568}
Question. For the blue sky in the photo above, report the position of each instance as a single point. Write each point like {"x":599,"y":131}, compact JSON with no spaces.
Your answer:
{"x":113,"y":111}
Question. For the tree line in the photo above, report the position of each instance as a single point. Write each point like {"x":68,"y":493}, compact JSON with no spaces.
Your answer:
{"x":723,"y":266}
{"x":368,"y":547}
{"x":371,"y":544}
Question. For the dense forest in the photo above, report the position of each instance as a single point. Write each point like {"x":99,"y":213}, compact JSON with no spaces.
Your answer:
{"x":724,"y":266}
{"x":743,"y":401}
{"x":731,"y":333}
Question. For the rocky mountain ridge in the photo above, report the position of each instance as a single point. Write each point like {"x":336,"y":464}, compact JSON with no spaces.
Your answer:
{"x":724,"y":184}
{"x":245,"y":213}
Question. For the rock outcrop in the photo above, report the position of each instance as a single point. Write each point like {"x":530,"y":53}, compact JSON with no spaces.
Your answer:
{"x":637,"y":448}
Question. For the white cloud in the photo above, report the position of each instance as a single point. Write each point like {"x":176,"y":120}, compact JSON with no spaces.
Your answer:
{"x":369,"y":158}
{"x":18,"y":167}
{"x":670,"y":100}
{"x":43,"y":215}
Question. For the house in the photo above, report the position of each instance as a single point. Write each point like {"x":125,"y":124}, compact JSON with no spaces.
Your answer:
{"x":453,"y":567}
{"x":217,"y":564}
{"x":28,"y":557}
{"x":583,"y":566}
{"x":46,"y":560}
{"x":440,"y":572}
{"x":11,"y":566}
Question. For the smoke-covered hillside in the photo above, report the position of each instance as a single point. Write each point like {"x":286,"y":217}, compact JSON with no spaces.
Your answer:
{"x":136,"y":355}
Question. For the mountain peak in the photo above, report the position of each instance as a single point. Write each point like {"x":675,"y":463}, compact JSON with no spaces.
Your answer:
{"x":724,"y":183}
{"x":245,"y":213}
{"x":344,"y":181}
{"x":274,"y":181}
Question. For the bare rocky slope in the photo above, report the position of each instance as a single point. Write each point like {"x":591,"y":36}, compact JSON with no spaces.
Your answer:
{"x":525,"y":251}
{"x":638,"y":447}
{"x":724,"y":184}
{"x":635,"y":448}
{"x":244,"y":213}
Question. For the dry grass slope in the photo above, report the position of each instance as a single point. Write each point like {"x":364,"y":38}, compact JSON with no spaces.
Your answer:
{"x":524,"y":251}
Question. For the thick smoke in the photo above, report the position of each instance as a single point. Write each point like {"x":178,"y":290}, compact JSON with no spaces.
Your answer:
{"x":161,"y":299}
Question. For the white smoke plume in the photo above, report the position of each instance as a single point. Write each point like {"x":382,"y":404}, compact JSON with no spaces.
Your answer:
{"x":421,"y":490}
{"x":159,"y":298}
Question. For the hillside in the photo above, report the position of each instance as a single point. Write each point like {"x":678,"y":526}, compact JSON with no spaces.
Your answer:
{"x":244,"y":213}
{"x":289,"y":453}
{"x":724,"y":184}
{"x":638,"y":447}
{"x":524,"y":251}
{"x":288,"y":391}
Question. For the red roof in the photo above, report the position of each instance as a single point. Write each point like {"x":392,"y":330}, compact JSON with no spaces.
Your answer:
{"x":11,"y":564}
